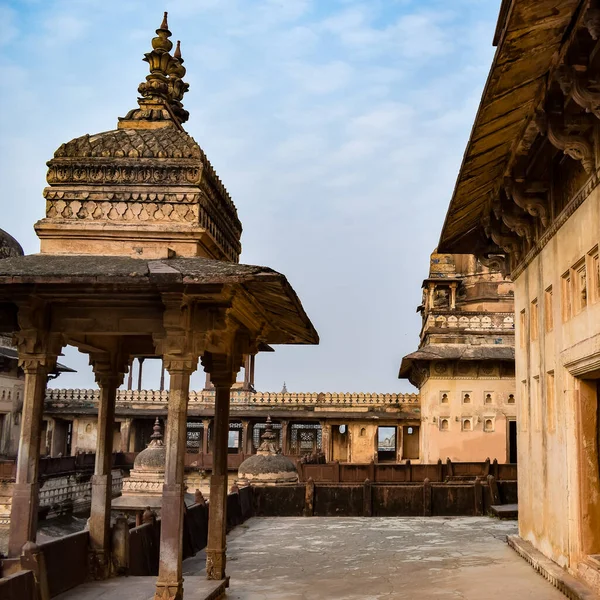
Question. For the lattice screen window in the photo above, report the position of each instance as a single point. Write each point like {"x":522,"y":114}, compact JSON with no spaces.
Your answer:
{"x":305,"y":438}
{"x":193,"y":442}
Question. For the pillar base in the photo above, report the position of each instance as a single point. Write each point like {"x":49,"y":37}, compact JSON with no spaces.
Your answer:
{"x":215,"y":564}
{"x":23,"y":517}
{"x":99,"y":564}
{"x":169,"y":591}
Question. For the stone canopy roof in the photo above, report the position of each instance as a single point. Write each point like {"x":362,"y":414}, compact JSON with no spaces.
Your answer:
{"x":267,"y":288}
{"x":463,"y":352}
{"x":167,"y":142}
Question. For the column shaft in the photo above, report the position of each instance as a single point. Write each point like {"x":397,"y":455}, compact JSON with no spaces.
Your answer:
{"x":25,"y":500}
{"x":170,"y":580}
{"x":99,"y":522}
{"x":215,"y":550}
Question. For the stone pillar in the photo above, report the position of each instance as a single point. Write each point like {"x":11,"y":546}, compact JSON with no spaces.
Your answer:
{"x":252,"y":361}
{"x":431,"y":289}
{"x":217,"y":524}
{"x":109,"y":379}
{"x":170,"y":581}
{"x":247,"y":372}
{"x":25,"y":499}
{"x":285,"y":445}
{"x":223,"y":370}
{"x":125,"y":434}
{"x":141,"y":368}
{"x":326,"y":440}
{"x":453,"y":295}
{"x":246,"y":437}
{"x":206,"y":423}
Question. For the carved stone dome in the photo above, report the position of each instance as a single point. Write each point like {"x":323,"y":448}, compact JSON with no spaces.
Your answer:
{"x":154,"y":456}
{"x":145,"y":189}
{"x":268,"y":465}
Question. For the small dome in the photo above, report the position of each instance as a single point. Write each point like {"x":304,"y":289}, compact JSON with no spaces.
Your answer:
{"x":154,"y":456}
{"x":9,"y":247}
{"x":268,"y":465}
{"x":268,"y":468}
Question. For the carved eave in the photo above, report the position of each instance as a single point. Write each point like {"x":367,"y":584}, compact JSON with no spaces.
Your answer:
{"x":533,"y":40}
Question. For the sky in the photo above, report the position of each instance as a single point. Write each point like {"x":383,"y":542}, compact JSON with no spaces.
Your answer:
{"x":337,"y":126}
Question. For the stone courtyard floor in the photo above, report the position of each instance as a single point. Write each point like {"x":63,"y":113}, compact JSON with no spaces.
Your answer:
{"x":371,"y":558}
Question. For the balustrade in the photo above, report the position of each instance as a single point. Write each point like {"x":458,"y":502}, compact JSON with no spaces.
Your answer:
{"x":78,"y":396}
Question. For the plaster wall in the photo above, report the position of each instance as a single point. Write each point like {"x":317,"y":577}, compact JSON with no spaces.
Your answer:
{"x":455,"y":442}
{"x":363,"y":442}
{"x":558,"y":356}
{"x":11,"y":399}
{"x":85,"y":434}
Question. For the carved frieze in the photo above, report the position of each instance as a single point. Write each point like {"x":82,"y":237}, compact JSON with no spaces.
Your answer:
{"x":120,"y":173}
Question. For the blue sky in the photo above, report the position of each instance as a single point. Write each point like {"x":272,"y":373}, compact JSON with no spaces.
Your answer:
{"x":338,"y":127}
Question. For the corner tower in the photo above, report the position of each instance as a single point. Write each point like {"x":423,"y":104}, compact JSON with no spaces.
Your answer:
{"x":145,"y":189}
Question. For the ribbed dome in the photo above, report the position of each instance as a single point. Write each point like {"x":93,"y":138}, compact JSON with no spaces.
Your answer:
{"x":154,"y":456}
{"x":268,"y":465}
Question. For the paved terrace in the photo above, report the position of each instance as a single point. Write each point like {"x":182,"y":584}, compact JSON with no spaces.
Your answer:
{"x":432,"y":558}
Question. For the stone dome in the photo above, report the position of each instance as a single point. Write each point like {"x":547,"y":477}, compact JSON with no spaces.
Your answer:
{"x":154,"y":456}
{"x":9,"y":247}
{"x":268,"y":465}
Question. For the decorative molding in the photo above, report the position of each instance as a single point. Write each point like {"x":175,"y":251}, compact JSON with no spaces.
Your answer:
{"x":582,"y":358}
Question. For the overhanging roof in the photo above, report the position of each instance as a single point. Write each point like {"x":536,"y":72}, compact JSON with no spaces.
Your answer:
{"x":529,"y":45}
{"x":466,"y":352}
{"x":268,"y":289}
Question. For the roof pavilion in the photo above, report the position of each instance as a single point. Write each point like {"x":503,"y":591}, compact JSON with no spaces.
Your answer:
{"x":139,"y":257}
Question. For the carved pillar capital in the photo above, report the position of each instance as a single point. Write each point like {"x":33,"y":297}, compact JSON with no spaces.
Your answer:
{"x":180,"y":364}
{"x":222,"y":368}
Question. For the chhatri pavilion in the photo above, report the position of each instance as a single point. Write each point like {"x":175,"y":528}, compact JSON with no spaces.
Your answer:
{"x":139,"y":258}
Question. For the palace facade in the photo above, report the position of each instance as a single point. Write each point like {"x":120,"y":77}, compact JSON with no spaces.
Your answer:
{"x":528,"y":198}
{"x":464,"y":366}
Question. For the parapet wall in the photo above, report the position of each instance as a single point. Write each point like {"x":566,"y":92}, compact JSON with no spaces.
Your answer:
{"x":61,"y":398}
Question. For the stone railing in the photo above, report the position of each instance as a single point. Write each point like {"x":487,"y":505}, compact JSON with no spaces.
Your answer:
{"x":471,"y":321}
{"x":87,"y":397}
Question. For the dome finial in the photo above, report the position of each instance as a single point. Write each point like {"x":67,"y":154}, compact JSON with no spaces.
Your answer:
{"x":163,"y":90}
{"x":156,"y":439}
{"x":165,"y":22}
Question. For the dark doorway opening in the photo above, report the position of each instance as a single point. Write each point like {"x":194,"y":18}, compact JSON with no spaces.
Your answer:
{"x":512,"y":441}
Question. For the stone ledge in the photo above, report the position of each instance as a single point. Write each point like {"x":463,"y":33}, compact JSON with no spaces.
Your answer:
{"x":570,"y":586}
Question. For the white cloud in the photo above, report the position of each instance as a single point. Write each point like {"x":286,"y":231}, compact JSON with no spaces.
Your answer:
{"x":337,"y":127}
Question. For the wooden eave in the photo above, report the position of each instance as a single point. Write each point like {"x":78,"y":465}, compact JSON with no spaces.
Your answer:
{"x":530,"y":43}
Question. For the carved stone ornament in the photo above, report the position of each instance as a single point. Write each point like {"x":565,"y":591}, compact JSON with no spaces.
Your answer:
{"x":580,"y":88}
{"x":495,"y":262}
{"x":591,"y":22}
{"x":535,"y":205}
{"x":494,"y":230}
{"x":573,"y":145}
{"x":515,"y":223}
